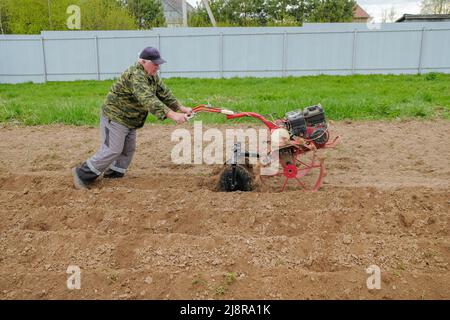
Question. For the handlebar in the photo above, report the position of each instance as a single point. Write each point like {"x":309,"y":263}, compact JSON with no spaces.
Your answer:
{"x":232,"y":114}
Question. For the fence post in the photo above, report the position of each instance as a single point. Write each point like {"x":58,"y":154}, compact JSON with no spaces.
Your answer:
{"x":97,"y":59}
{"x":221,"y":55}
{"x":158,"y":36}
{"x":43,"y":59}
{"x":421,"y":50}
{"x":284,"y":62}
{"x":355,"y":32}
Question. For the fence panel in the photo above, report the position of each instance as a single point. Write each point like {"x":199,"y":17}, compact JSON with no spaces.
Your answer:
{"x":230,"y":52}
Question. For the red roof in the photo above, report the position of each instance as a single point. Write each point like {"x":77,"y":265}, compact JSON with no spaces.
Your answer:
{"x":359,"y":12}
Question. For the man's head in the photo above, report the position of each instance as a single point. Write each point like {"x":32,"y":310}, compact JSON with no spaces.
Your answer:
{"x":150,"y":59}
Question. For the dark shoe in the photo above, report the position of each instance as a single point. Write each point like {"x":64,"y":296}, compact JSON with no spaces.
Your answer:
{"x":77,"y":182}
{"x":83,"y":176}
{"x":111,"y":174}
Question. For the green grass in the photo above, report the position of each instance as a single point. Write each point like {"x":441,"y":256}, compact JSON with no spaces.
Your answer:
{"x":368,"y":97}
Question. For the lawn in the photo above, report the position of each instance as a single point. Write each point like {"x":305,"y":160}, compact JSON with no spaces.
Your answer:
{"x":368,"y":97}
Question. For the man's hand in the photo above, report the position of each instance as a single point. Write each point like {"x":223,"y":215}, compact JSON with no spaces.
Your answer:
{"x":186,"y":110}
{"x":177,"y":117}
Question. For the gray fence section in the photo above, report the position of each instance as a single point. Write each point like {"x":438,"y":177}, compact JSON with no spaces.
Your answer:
{"x":340,"y":49}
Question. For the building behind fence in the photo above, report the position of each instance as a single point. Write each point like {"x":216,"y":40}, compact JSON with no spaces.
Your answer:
{"x":336,"y":49}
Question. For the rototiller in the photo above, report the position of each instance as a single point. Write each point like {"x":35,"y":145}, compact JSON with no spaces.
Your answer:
{"x":292,"y":152}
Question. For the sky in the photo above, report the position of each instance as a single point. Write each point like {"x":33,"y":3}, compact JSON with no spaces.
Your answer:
{"x":375,"y":7}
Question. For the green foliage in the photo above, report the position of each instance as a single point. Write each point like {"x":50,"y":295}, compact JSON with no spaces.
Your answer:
{"x":431,"y":76}
{"x":27,"y":16}
{"x":343,"y":97}
{"x":34,"y":16}
{"x":4,"y":18}
{"x":273,"y":12}
{"x":230,"y":277}
{"x":220,"y":290}
{"x":331,"y":10}
{"x":147,"y":13}
{"x":104,"y":15}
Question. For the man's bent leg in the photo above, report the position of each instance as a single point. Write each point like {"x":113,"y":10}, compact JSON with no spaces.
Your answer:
{"x":113,"y":135}
{"x":121,"y":164}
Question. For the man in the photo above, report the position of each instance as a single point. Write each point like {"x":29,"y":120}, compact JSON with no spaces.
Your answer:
{"x":139,"y":90}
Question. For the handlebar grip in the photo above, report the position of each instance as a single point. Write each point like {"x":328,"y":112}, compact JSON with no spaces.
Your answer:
{"x":227,"y":112}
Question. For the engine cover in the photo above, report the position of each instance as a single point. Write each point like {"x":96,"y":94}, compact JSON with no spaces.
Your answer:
{"x":314,"y":115}
{"x":296,"y":123}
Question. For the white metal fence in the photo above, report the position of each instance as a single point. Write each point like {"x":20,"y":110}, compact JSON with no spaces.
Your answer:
{"x":340,"y":49}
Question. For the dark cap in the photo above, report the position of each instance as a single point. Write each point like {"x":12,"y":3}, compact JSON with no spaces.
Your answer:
{"x":152,"y":54}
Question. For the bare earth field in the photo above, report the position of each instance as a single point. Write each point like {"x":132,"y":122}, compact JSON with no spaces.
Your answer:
{"x":162,"y":233}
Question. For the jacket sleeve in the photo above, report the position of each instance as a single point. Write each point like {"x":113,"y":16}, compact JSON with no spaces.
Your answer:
{"x":143,"y":93}
{"x":165,"y":95}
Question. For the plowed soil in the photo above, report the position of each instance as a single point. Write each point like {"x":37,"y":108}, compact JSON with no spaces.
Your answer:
{"x":161,"y":232}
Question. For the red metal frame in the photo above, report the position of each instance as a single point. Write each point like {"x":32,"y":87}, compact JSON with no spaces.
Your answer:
{"x":294,"y":168}
{"x":205,"y":108}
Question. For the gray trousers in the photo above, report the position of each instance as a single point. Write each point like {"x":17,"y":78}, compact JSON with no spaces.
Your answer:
{"x":117,"y":149}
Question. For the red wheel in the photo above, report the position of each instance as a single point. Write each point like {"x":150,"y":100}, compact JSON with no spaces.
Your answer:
{"x":306,"y":169}
{"x":310,"y":170}
{"x":290,"y":171}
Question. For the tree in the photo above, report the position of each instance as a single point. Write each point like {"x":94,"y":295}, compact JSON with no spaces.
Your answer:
{"x":389,"y":15}
{"x":147,"y":13}
{"x":435,"y":7}
{"x":104,"y":15}
{"x":3,"y":18}
{"x":226,"y":13}
{"x":27,"y":16}
{"x":298,"y":10}
{"x":34,"y":16}
{"x":274,"y":12}
{"x":331,"y":10}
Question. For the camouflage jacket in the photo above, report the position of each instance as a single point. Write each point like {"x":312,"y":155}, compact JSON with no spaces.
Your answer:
{"x":135,"y":94}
